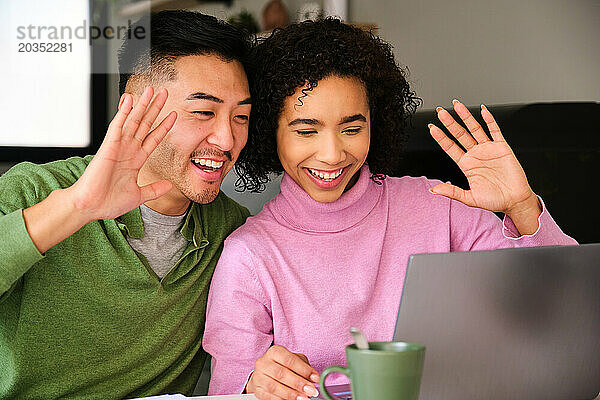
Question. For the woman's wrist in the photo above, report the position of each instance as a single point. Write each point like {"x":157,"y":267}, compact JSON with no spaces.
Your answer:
{"x":248,"y":383}
{"x":525,"y":215}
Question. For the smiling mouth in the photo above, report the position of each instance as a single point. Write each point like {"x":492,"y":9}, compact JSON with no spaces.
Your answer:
{"x":326,"y":176}
{"x":207,"y":165}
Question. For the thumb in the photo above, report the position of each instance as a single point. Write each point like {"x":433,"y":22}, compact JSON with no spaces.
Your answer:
{"x":155,"y":190}
{"x":453,"y":192}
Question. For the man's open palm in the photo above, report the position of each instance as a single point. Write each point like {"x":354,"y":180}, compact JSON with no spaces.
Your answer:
{"x":108,"y":188}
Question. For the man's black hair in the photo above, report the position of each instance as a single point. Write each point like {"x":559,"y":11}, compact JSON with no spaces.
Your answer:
{"x":175,"y":34}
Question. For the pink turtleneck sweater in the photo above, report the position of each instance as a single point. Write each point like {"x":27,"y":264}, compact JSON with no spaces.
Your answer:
{"x":300,"y":273}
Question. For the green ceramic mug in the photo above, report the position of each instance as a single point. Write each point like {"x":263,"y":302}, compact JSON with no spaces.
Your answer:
{"x":387,"y":371}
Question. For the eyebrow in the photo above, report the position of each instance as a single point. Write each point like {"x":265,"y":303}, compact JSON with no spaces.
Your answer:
{"x":307,"y":121}
{"x":311,"y":121}
{"x":210,"y":97}
{"x":352,"y":118}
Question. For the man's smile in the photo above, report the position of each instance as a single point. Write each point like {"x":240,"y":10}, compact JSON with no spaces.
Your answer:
{"x":208,"y":169}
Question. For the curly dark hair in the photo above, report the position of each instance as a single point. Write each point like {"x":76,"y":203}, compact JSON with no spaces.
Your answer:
{"x":305,"y":53}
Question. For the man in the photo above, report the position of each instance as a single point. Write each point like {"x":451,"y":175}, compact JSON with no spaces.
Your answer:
{"x":105,"y":262}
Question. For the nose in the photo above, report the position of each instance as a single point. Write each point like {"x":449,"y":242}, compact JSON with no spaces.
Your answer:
{"x":221,"y":135}
{"x":331,"y":149}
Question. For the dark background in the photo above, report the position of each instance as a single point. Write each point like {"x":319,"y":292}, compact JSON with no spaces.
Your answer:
{"x":558,"y":145}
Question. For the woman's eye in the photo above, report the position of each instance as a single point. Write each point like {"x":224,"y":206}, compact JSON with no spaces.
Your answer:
{"x":242,"y":118}
{"x":352,"y":131}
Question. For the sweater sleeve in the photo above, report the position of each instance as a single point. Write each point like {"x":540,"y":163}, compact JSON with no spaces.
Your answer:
{"x":17,"y":251}
{"x":239,"y":327}
{"x":21,"y":187}
{"x":477,"y":229}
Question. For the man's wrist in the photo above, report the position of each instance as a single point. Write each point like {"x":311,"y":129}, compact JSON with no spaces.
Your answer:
{"x":81,"y":215}
{"x":52,"y":220}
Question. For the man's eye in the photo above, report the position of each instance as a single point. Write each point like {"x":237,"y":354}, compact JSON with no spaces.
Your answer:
{"x":204,"y":113}
{"x":306,"y":133}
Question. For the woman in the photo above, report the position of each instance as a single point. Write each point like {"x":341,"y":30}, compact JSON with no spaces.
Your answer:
{"x":330,"y":251}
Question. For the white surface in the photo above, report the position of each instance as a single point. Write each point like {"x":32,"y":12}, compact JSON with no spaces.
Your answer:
{"x":181,"y":397}
{"x":232,"y":397}
{"x":46,"y":95}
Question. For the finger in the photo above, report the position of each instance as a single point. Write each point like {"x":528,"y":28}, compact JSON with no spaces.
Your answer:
{"x":283,"y":356}
{"x":454,"y":192}
{"x":116,"y":125}
{"x":135,"y":117}
{"x":159,"y":133}
{"x":155,"y":190}
{"x":491,"y":124}
{"x":121,"y":100}
{"x":314,"y":376}
{"x":464,"y":138}
{"x":447,"y":144}
{"x":287,"y":377}
{"x":150,"y":116}
{"x":267,"y":386}
{"x":472,"y":125}
{"x":302,"y":357}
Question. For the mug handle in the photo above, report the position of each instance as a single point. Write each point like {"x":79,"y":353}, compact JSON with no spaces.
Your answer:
{"x":329,"y":370}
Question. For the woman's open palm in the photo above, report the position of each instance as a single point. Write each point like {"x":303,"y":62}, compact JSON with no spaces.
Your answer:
{"x":496,"y":179}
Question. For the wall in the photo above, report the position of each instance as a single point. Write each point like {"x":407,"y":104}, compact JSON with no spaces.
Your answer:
{"x":506,"y":51}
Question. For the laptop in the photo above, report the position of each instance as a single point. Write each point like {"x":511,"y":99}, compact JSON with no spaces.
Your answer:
{"x":504,"y":324}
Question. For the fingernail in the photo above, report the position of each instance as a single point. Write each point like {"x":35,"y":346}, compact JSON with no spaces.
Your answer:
{"x":438,"y":109}
{"x":124,"y":99}
{"x":311,"y":391}
{"x":483,"y":107}
{"x":455,"y":101}
{"x":431,"y":190}
{"x":314,"y":378}
{"x":430,"y":125}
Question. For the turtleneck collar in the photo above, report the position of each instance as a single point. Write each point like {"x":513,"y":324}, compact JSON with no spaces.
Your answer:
{"x":295,"y":208}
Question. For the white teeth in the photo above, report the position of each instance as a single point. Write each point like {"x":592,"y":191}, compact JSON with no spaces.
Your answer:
{"x":328,"y":176}
{"x":208,"y":163}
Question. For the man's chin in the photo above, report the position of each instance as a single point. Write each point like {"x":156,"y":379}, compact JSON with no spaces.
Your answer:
{"x":204,"y":196}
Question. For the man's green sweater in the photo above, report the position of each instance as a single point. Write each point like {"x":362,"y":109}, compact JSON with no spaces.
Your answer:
{"x":90,"y":318}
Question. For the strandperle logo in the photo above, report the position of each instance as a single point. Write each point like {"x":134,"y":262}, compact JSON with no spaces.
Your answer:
{"x":82,"y":31}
